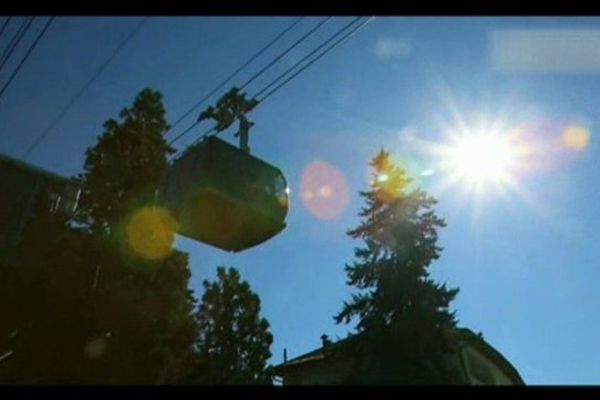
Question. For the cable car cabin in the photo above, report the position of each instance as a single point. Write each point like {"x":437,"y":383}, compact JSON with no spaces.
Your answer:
{"x":225,"y":197}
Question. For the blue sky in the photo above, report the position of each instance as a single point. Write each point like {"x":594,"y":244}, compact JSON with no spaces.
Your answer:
{"x":524,"y":259}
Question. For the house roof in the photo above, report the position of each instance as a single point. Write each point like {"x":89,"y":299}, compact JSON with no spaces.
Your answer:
{"x":313,"y":356}
{"x":460,"y":334}
{"x":7,"y":160}
{"x":492,"y":354}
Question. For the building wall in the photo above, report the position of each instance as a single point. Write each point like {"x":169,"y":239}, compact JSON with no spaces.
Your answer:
{"x":475,"y":367}
{"x":324,"y":372}
{"x":481,"y":371}
{"x":20,"y":186}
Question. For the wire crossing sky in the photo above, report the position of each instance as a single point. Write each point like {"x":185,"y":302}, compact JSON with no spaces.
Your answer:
{"x":80,"y":93}
{"x":233,"y":75}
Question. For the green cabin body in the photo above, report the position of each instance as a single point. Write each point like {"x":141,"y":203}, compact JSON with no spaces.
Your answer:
{"x":224,"y":197}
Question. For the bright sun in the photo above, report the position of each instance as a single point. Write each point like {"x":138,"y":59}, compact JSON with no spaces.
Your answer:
{"x":480,"y":159}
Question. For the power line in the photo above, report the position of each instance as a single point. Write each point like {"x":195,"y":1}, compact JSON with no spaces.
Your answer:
{"x":285,"y":73}
{"x":346,"y":36}
{"x":14,"y":42}
{"x":280,"y":56}
{"x":306,"y":57}
{"x":16,"y":37}
{"x":316,"y":58}
{"x":263,"y":70}
{"x":182,"y":134}
{"x":234,"y":73}
{"x":26,"y":56}
{"x":4,"y":25}
{"x":84,"y":88}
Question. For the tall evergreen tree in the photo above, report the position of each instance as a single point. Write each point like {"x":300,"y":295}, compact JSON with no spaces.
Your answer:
{"x":143,"y":297}
{"x":122,"y":171}
{"x":106,"y":300}
{"x":403,"y":315}
{"x":234,"y":341}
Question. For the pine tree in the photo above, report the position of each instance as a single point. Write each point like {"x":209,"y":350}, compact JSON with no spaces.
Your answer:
{"x":121,"y":172}
{"x":234,"y":341}
{"x":402,"y":313}
{"x":140,"y":284}
{"x":99,"y":302}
